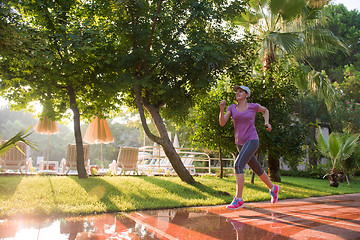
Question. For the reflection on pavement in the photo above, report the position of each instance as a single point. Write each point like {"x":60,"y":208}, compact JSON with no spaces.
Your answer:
{"x":333,"y":217}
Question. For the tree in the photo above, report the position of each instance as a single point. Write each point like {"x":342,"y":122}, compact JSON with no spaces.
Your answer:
{"x":157,"y":55}
{"x":288,"y":30}
{"x":337,"y":148}
{"x":204,"y":120}
{"x":287,"y":135}
{"x":63,"y":63}
{"x":351,"y":84}
{"x":172,"y":53}
{"x":344,"y":24}
{"x":345,"y":117}
{"x":288,"y":27}
{"x":310,"y":110}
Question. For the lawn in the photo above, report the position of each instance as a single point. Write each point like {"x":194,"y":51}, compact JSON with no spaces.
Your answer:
{"x":68,"y":195}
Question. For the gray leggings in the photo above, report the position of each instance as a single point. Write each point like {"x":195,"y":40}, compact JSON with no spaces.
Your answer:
{"x":247,"y":156}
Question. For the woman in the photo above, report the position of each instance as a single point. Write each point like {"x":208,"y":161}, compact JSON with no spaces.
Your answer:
{"x":247,"y":141}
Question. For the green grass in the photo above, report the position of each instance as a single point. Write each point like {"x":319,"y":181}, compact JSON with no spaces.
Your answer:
{"x":68,"y":195}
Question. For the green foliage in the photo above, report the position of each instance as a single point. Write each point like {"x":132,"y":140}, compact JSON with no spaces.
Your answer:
{"x":20,"y":136}
{"x":289,"y":27}
{"x":310,"y":109}
{"x":345,"y":117}
{"x":337,"y":147}
{"x":352,"y":164}
{"x":181,"y":59}
{"x":207,"y":132}
{"x":63,"y":51}
{"x":351,"y":84}
{"x":11,"y":122}
{"x":204,"y":120}
{"x":287,"y":135}
{"x":345,"y":25}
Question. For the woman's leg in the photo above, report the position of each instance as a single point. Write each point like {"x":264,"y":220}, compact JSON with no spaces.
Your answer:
{"x":246,"y":153}
{"x":240,"y":180}
{"x":256,"y":167}
{"x":265,"y":178}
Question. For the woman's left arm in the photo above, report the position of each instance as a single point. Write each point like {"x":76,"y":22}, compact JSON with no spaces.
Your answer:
{"x":266,"y":115}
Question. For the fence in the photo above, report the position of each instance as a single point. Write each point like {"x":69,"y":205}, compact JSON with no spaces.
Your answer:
{"x":153,"y":160}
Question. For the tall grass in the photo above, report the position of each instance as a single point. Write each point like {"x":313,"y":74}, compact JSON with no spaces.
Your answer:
{"x":68,"y":195}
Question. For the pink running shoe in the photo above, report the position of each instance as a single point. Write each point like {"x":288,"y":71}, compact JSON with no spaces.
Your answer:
{"x":236,"y":204}
{"x":274,"y":194}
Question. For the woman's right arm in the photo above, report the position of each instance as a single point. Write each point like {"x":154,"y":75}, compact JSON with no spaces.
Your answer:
{"x":223,"y":118}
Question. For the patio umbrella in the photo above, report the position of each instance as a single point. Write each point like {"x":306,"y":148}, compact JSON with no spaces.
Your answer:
{"x":98,"y":132}
{"x":46,"y":126}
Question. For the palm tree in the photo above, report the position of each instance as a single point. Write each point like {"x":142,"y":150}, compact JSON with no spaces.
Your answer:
{"x":20,"y":136}
{"x":290,"y":29}
{"x":337,"y":148}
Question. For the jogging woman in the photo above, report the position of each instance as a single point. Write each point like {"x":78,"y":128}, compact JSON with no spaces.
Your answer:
{"x":247,"y":141}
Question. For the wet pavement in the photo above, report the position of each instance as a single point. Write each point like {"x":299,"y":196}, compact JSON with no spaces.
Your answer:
{"x":330,"y":217}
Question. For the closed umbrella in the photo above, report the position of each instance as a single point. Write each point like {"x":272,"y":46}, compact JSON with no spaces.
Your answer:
{"x":98,"y":132}
{"x":46,"y":126}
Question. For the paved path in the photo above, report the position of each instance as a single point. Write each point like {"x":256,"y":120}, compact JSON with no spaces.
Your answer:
{"x":330,"y":217}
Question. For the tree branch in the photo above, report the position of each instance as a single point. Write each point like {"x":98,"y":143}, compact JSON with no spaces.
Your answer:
{"x":153,"y":26}
{"x":139,"y":105}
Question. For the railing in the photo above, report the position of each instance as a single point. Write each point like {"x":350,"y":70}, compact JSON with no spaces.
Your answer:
{"x":153,"y":160}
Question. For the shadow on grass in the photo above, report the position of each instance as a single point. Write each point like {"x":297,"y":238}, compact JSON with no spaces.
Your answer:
{"x":53,"y":193}
{"x":116,"y":200}
{"x":101,"y":190}
{"x":187,"y":191}
{"x":247,"y":185}
{"x":8,"y":185}
{"x":175,"y":188}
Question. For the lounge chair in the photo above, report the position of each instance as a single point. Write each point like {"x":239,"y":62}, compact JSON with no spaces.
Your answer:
{"x":188,"y":163}
{"x":127,"y":160}
{"x":16,"y":160}
{"x":70,"y":161}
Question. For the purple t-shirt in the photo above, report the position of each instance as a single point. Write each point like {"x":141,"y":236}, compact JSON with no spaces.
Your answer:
{"x":244,"y":123}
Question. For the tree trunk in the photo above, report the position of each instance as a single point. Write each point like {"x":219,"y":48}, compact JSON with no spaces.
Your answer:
{"x":273,"y":159}
{"x":78,"y":137}
{"x":268,"y":60}
{"x":252,"y":181}
{"x":221,"y":162}
{"x":163,"y":140}
{"x":312,"y":149}
{"x":274,"y":167}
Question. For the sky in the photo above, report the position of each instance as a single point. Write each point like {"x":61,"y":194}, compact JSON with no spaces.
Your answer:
{"x":349,"y":4}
